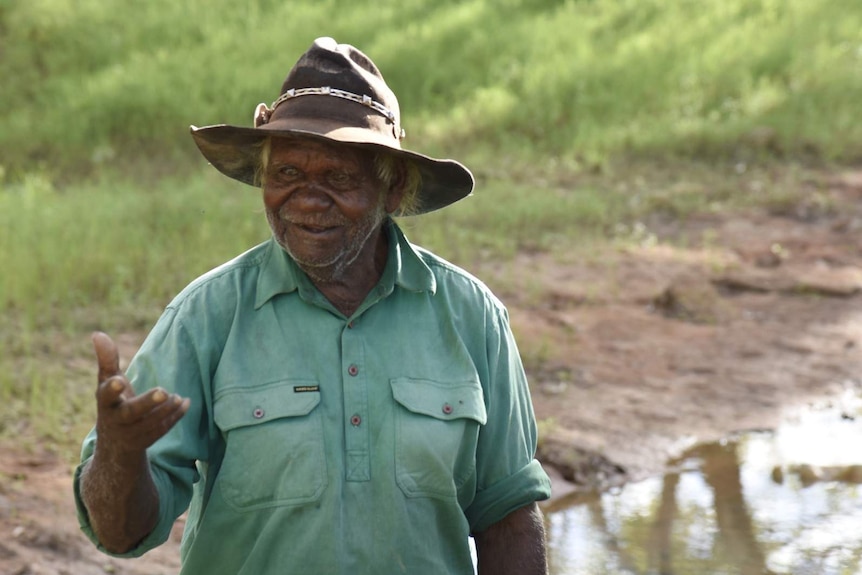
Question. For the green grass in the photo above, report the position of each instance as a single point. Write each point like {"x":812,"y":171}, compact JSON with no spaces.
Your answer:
{"x":505,"y":82}
{"x":579,"y":119}
{"x":109,"y":255}
{"x":106,"y":255}
{"x":503,"y":218}
{"x":109,"y":241}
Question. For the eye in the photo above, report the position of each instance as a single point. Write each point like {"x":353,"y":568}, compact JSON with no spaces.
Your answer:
{"x":284,"y":173}
{"x":289,"y":172}
{"x":340,"y":179}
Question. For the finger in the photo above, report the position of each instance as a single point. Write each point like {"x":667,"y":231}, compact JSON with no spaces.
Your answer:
{"x":107,"y":355}
{"x":161,"y":419}
{"x":114,"y":391}
{"x":148,"y":404}
{"x":172,"y":417}
{"x":157,"y":422}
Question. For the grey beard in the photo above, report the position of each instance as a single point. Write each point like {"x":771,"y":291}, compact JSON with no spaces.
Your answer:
{"x":327,"y":271}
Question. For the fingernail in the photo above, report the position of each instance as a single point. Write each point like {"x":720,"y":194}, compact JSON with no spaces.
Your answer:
{"x":116,"y":385}
{"x":159,"y":396}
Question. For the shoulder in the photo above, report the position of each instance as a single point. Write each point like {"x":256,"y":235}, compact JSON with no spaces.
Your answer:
{"x":455,"y":283}
{"x":231,"y":280}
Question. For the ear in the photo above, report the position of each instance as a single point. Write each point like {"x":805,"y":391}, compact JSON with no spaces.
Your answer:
{"x":396,"y":190}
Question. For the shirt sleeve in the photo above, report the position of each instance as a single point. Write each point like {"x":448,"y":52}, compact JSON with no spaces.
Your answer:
{"x":508,"y":475}
{"x":171,"y":359}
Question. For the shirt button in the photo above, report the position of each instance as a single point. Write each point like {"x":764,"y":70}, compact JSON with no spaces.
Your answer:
{"x":447,"y":409}
{"x":350,"y":325}
{"x":355,"y":420}
{"x":353,"y":370}
{"x":258,"y":413}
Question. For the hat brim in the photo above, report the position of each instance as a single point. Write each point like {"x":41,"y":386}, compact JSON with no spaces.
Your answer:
{"x":235,"y":152}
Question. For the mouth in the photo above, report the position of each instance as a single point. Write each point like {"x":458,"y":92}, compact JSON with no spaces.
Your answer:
{"x":314,"y":229}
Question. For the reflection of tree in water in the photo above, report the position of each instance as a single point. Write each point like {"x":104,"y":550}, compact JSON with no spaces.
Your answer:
{"x":597,"y":516}
{"x":676,"y":531}
{"x":720,"y":465}
{"x":661,"y":533}
{"x":736,"y":543}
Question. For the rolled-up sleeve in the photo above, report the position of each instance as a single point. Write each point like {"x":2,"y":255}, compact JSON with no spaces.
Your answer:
{"x":182,"y":369}
{"x":508,"y":475}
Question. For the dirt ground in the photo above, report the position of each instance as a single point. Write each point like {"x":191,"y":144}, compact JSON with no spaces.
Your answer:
{"x":717,"y":324}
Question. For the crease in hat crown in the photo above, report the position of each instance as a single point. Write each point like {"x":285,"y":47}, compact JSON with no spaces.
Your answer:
{"x":334,"y":92}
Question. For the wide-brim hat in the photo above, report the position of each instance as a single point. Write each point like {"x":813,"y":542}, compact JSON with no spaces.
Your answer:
{"x":334,"y":93}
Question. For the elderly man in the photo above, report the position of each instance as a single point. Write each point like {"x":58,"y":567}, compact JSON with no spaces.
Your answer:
{"x":335,"y":400}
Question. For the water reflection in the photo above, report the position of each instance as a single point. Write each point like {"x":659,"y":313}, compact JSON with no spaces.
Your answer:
{"x":787,"y":502}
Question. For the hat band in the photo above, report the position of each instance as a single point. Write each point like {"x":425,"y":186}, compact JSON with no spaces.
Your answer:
{"x":365,"y":100}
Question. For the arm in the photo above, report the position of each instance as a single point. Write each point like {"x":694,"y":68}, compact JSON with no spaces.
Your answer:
{"x":514,"y":545}
{"x":116,"y":485}
{"x":121,"y":499}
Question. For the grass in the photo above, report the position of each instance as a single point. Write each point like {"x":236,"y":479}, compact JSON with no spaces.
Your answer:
{"x":503,"y":218}
{"x":503,"y":83}
{"x":106,"y":255}
{"x":109,"y":255}
{"x":580,"y":120}
{"x":108,"y":241}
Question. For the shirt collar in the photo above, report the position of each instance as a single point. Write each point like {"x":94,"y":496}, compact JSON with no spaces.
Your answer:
{"x":404,"y":267}
{"x":411,"y":271}
{"x":278,"y":274}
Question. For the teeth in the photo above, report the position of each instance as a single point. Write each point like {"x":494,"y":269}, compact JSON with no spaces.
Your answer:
{"x":315,"y":228}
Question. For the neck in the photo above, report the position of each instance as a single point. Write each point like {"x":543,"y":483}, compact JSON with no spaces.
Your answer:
{"x":347,"y":286}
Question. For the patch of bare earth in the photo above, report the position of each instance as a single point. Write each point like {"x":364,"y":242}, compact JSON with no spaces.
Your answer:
{"x":647,"y":349}
{"x":39,"y":532}
{"x":634,"y":353}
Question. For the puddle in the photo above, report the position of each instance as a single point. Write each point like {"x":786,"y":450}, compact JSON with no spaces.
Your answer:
{"x":782,"y":502}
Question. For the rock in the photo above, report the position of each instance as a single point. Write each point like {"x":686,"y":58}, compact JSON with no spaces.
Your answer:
{"x":839,"y":282}
{"x":835,"y":282}
{"x":756,"y":280}
{"x":777,"y":475}
{"x":808,"y":474}
{"x":586,"y":469}
{"x":695,"y":300}
{"x":811,"y":474}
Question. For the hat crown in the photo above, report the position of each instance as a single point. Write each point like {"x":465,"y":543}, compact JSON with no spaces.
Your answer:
{"x":342,"y":67}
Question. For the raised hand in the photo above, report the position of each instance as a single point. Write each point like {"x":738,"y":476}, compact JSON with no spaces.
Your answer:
{"x":126,"y":423}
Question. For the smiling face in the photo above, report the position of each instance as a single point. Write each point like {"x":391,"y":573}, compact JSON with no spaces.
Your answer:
{"x":325,"y":206}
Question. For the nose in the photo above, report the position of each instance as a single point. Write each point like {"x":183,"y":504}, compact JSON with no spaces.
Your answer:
{"x":310,"y":197}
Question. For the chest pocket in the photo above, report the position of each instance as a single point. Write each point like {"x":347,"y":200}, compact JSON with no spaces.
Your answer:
{"x":436,"y":433}
{"x":274,"y":452}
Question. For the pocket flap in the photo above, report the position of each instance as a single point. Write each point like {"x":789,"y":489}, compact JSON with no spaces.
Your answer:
{"x":441,"y":400}
{"x":242,"y":406}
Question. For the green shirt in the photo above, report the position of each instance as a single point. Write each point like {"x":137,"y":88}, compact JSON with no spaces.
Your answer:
{"x":318,"y":443}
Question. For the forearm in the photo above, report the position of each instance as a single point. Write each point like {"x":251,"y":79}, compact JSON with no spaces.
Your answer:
{"x":121,"y":499}
{"x":514,"y":545}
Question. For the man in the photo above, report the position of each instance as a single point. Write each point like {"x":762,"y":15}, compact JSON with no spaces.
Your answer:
{"x":335,"y":400}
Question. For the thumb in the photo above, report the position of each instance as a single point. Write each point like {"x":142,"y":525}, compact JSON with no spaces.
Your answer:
{"x":107,"y":355}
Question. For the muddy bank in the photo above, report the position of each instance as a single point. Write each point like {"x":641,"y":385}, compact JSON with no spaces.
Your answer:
{"x":713,"y":325}
{"x":724,"y":323}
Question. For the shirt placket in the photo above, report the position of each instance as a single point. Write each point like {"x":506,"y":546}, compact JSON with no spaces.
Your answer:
{"x":356,"y":416}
